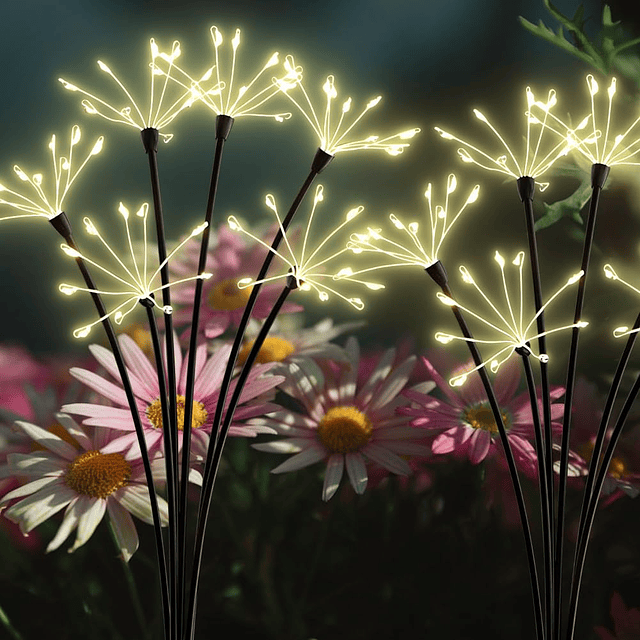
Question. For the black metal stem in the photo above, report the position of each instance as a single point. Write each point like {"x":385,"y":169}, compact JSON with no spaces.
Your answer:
{"x":61,"y":224}
{"x":150,"y":138}
{"x":320,"y":161}
{"x":223,"y":128}
{"x":207,"y":489}
{"x":599,"y":173}
{"x":439,"y":275}
{"x":592,"y":490}
{"x":545,"y":507}
{"x":602,"y":474}
{"x":526,"y":191}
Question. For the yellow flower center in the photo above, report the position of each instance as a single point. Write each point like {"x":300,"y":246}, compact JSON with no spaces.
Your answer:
{"x":344,"y":429}
{"x":141,"y":336}
{"x":618,"y":467}
{"x":274,"y":349}
{"x":226,"y":296}
{"x":481,"y":417}
{"x":198,"y":417}
{"x":98,"y":475}
{"x":62,"y":433}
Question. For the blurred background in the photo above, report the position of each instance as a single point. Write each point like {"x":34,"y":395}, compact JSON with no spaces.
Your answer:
{"x":433,"y":62}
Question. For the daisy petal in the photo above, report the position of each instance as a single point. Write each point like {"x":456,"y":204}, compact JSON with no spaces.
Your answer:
{"x":312,"y":454}
{"x":123,"y":528}
{"x":69,"y":523}
{"x":332,"y":475}
{"x":357,"y":472}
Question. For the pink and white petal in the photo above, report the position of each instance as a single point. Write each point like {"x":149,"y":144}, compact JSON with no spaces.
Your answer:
{"x":29,"y":488}
{"x":210,"y":377}
{"x":507,"y":381}
{"x":142,"y":369}
{"x":524,"y":454}
{"x":30,"y":464}
{"x":332,"y":475}
{"x":123,"y":528}
{"x":451,"y":440}
{"x":443,"y":385}
{"x":40,"y":506}
{"x":100,"y":385}
{"x":349,"y":379}
{"x":312,"y":454}
{"x":177,"y":353}
{"x":92,"y":512}
{"x":216,"y":326}
{"x":357,"y":472}
{"x":68,"y":524}
{"x":106,"y":359}
{"x":135,"y":499}
{"x":201,"y":357}
{"x":386,"y":459}
{"x":120,"y":444}
{"x":393,"y":384}
{"x":289,"y":445}
{"x":48,"y":440}
{"x":153,"y":440}
{"x":398,"y":433}
{"x":379,"y":373}
{"x":75,"y":431}
{"x":111,"y":416}
{"x":479,"y":444}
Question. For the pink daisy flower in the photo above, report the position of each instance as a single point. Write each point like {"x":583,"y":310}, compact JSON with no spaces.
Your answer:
{"x":346,"y":422}
{"x":17,"y":367}
{"x":466,"y":421}
{"x":76,"y":472}
{"x":142,"y":373}
{"x":223,"y":302}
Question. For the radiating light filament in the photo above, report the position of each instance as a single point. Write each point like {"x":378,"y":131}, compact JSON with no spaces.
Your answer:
{"x":134,"y":283}
{"x":48,"y":204}
{"x":334,"y":132}
{"x":514,"y":334}
{"x":307,"y":269}
{"x":158,"y":115}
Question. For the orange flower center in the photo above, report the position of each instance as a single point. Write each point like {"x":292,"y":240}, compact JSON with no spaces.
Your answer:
{"x":481,"y":417}
{"x":226,"y":296}
{"x":618,"y":467}
{"x":274,"y":349}
{"x":96,"y":474}
{"x":198,"y":417}
{"x":344,"y":429}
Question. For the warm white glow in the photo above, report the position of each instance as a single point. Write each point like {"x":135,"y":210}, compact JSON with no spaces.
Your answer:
{"x":414,"y":252}
{"x":162,"y":109}
{"x":508,"y":322}
{"x":611,"y":274}
{"x":334,"y":131}
{"x":133,"y":282}
{"x":218,"y":86}
{"x":50,"y":192}
{"x":530,"y":164}
{"x":598,"y":144}
{"x":308,"y":268}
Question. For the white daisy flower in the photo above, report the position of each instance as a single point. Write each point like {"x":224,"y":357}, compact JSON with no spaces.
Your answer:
{"x":73,"y":472}
{"x":347,"y":421}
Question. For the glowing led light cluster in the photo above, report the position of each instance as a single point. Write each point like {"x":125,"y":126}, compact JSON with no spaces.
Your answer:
{"x":530,"y":165}
{"x":597,"y":147}
{"x":157,"y":116}
{"x":333,"y":132}
{"x":135,"y":284}
{"x":307,"y":268}
{"x":441,"y":222}
{"x":220,"y":96}
{"x":510,"y":325}
{"x":48,"y":204}
{"x":610,"y":273}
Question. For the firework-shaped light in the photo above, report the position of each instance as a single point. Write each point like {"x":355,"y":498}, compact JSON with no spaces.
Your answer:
{"x":514,"y":334}
{"x":530,"y":163}
{"x":594,"y":141}
{"x":133,"y":283}
{"x":441,"y":219}
{"x":49,"y":192}
{"x":309,"y":269}
{"x":335,"y":131}
{"x":162,"y":109}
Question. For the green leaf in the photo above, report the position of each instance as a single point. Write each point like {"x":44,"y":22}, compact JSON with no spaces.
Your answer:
{"x":568,"y":208}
